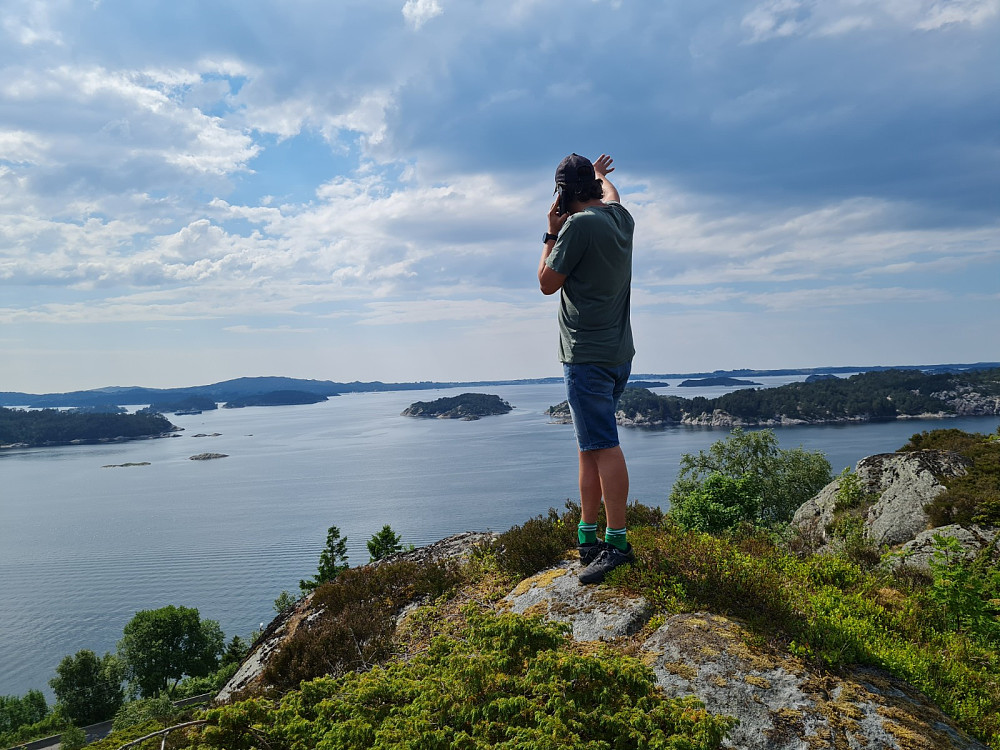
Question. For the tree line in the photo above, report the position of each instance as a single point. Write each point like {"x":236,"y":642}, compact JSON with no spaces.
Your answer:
{"x":868,"y":396}
{"x":55,"y":426}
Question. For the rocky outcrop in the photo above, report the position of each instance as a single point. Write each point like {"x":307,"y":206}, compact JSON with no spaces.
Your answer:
{"x":899,"y":485}
{"x":783,"y":705}
{"x":918,"y":552}
{"x":208,"y":456}
{"x":905,"y":483}
{"x":594,"y":613}
{"x":285,"y":625}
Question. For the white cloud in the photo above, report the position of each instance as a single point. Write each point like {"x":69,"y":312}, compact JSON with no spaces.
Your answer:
{"x":419,"y":12}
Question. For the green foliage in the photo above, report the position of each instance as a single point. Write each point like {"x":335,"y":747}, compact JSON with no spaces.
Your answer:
{"x":836,"y":612}
{"x":139,"y":712}
{"x":332,"y":561}
{"x":781,"y":479}
{"x":539,"y":543}
{"x":386,"y":542}
{"x":506,"y":681}
{"x":871,"y":395}
{"x":160,"y":645}
{"x":964,"y":595}
{"x":56,"y":426}
{"x":719,"y":503}
{"x":189,"y":687}
{"x":89,"y":688}
{"x":73,"y":738}
{"x":284,"y":602}
{"x":975,"y":496}
{"x":236,"y":651}
{"x":358,"y":619}
{"x":16,"y":712}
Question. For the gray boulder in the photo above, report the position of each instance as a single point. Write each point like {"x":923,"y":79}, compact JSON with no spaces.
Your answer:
{"x":593,"y":612}
{"x":901,"y":485}
{"x":906,"y":482}
{"x":918,"y":552}
{"x":783,"y":705}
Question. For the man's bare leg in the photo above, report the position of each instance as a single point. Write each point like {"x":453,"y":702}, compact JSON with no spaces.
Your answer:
{"x":603,"y":473}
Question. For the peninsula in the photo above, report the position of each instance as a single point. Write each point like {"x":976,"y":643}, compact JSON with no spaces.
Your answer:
{"x":872,"y":396}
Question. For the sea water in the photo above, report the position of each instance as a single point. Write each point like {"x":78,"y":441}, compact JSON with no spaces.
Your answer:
{"x":83,"y":547}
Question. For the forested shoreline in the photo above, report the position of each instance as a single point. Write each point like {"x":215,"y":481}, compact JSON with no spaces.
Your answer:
{"x":871,"y":396}
{"x":53,"y":427}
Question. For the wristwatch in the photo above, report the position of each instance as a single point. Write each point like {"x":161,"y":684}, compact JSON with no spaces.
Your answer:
{"x":549,"y":236}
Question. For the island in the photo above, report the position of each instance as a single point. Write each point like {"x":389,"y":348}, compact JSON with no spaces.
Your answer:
{"x":723,"y":381}
{"x":20,"y":428}
{"x":276,"y":398}
{"x":867,"y":397}
{"x":467,"y":406}
{"x":648,"y":384}
{"x":187,"y":405}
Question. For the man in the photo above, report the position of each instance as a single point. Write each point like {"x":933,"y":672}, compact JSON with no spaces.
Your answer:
{"x":588,"y":259}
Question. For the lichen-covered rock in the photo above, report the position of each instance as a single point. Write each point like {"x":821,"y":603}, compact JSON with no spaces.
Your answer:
{"x":918,"y":552}
{"x":781,"y":704}
{"x":593,"y":612}
{"x":901,"y":485}
{"x":906,"y":482}
{"x":814,"y":517}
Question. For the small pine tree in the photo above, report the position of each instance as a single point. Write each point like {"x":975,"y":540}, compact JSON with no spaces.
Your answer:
{"x":384,"y":543}
{"x":332,"y":561}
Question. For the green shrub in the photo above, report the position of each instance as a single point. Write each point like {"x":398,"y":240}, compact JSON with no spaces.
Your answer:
{"x":539,"y":543}
{"x":143,"y":710}
{"x":357,"y":621}
{"x":506,"y":681}
{"x":718,"y":504}
{"x":72,"y":738}
{"x":975,"y":496}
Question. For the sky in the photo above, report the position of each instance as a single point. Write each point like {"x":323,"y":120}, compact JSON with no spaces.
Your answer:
{"x":356,"y":189}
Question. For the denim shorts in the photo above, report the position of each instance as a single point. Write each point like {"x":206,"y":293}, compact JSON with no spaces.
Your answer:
{"x":593,"y":392}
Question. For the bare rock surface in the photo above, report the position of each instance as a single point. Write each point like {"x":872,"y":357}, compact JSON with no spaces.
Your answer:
{"x":595,"y":613}
{"x":902,"y":483}
{"x":781,"y":704}
{"x":918,"y":552}
{"x":906,"y":482}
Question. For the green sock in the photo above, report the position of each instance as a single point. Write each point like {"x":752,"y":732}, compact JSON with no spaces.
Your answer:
{"x":586,"y":533}
{"x":616,"y":537}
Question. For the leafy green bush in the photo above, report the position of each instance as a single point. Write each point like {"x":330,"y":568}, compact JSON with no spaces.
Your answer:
{"x":143,"y":710}
{"x":73,"y":738}
{"x":782,"y":479}
{"x":506,"y":681}
{"x":358,"y":619}
{"x":718,"y":504}
{"x":974,"y":497}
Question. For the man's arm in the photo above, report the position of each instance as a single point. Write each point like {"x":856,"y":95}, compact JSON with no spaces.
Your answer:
{"x":551,"y":281}
{"x":602,"y":167}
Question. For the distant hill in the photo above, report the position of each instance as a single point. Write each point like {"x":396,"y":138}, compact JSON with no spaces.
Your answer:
{"x":230,"y":390}
{"x":276,"y":398}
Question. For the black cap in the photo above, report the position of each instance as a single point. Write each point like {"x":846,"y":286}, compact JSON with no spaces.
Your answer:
{"x":575,"y":170}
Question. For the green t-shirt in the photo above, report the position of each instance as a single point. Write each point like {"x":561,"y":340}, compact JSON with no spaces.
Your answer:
{"x":594,"y":251}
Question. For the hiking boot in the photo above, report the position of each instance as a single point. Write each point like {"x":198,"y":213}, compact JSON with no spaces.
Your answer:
{"x":608,"y":558}
{"x":588,"y":551}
